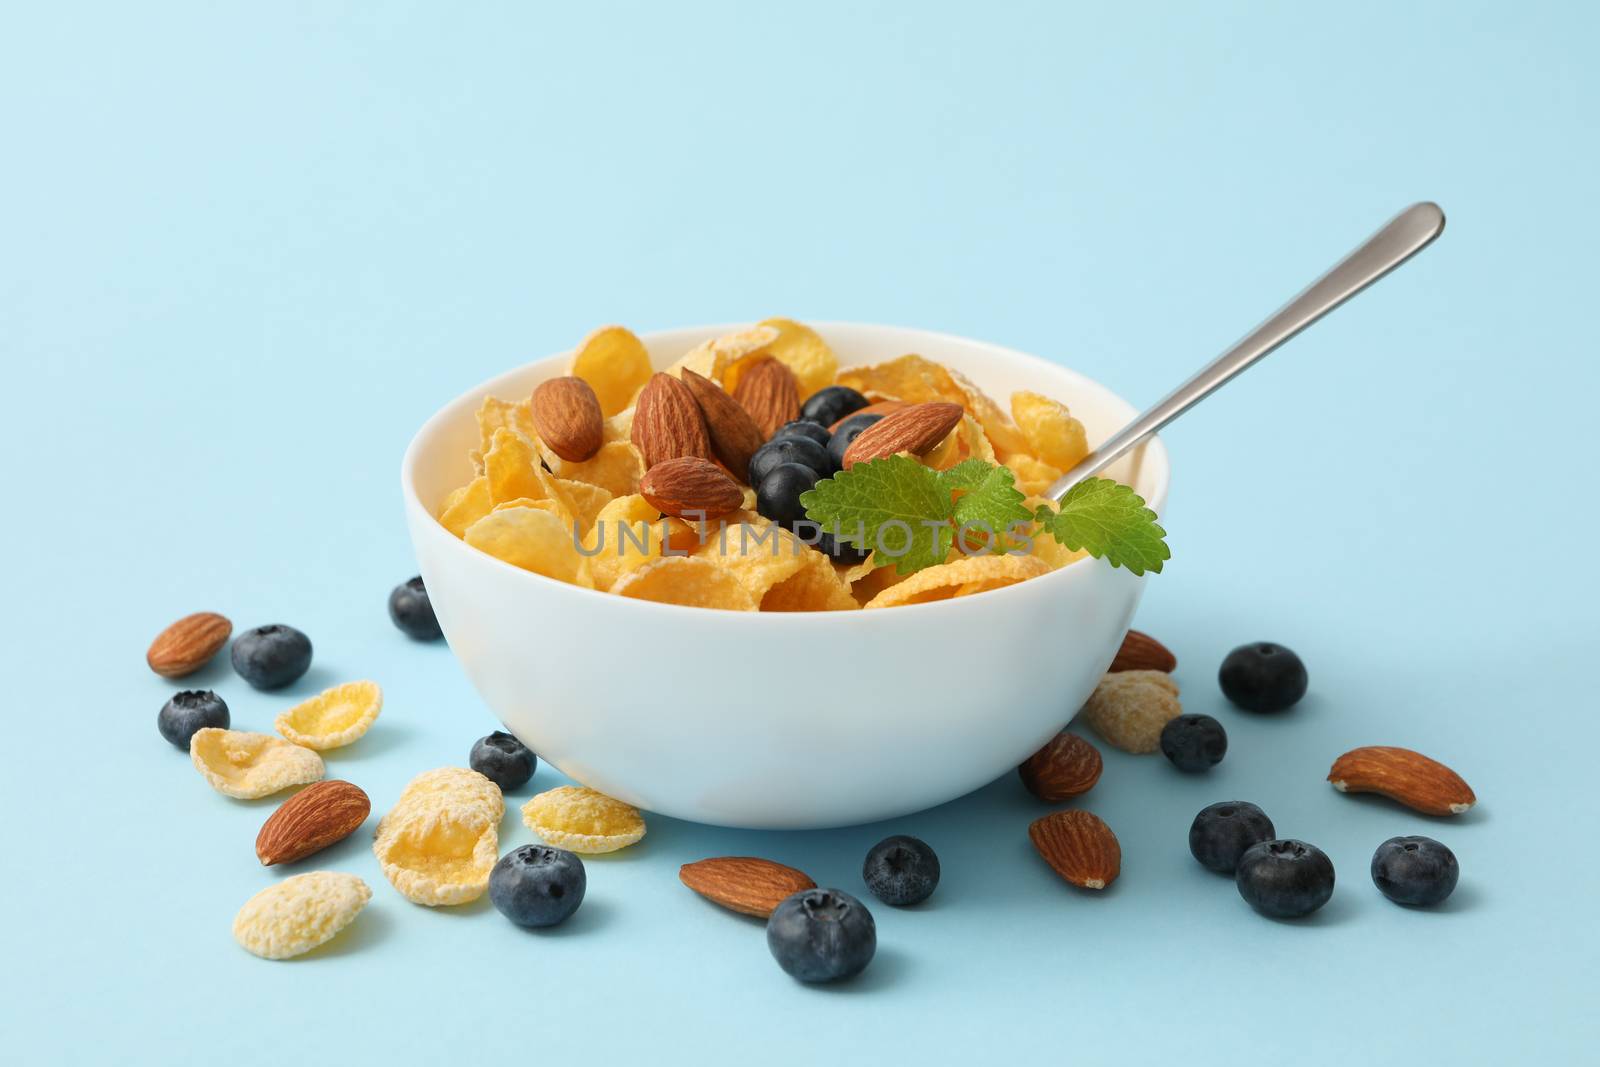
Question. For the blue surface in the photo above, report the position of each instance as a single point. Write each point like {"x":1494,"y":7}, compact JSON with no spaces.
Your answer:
{"x":247,"y":252}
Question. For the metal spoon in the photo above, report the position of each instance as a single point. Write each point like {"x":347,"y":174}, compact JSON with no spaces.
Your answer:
{"x":1401,"y":238}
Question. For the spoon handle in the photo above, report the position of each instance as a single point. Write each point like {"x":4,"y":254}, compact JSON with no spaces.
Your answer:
{"x":1401,"y":238}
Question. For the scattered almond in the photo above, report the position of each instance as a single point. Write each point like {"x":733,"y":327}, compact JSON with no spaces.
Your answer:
{"x":188,"y":644}
{"x":1129,"y":709}
{"x":1141,"y":652}
{"x":915,"y":429}
{"x":690,"y":488}
{"x":667,"y":423}
{"x":735,"y":437}
{"x":744,"y":884}
{"x":768,"y":391}
{"x":1067,"y":766}
{"x":311,"y":820}
{"x":567,"y":415}
{"x":1078,"y":846}
{"x":1420,"y":783}
{"x":881,"y":407}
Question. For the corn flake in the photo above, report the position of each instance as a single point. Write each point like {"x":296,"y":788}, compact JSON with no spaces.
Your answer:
{"x":247,"y":766}
{"x":691,"y":581}
{"x":439,"y":842}
{"x":333,"y":718}
{"x":816,"y":586}
{"x":798,"y":347}
{"x":910,"y":378}
{"x":960,"y":578}
{"x":582,"y":820}
{"x":534,"y":538}
{"x":759,"y":556}
{"x":616,"y":468}
{"x":1053,"y":435}
{"x":297,"y":914}
{"x":616,"y":365}
{"x":496,"y":414}
{"x":1130,"y":708}
{"x":466,"y":506}
{"x":997,"y":425}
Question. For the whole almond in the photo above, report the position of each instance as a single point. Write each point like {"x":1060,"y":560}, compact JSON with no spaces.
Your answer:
{"x":882,"y":407}
{"x":735,"y":437}
{"x":311,"y":820}
{"x":691,"y":488}
{"x":567,"y":415}
{"x":1141,"y":652}
{"x":745,"y":884}
{"x":914,"y":429}
{"x":1078,"y":846}
{"x":768,"y":391}
{"x":188,"y":644}
{"x":1067,"y":766}
{"x":667,"y":423}
{"x":1420,"y":783}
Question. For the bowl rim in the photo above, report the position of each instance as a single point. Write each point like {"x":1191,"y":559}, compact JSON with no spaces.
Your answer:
{"x":1155,"y":456}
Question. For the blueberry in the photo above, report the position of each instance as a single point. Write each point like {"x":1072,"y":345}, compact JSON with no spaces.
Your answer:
{"x":537,"y":885}
{"x":847,"y":432}
{"x":1222,"y":832}
{"x":822,"y":935}
{"x":839,"y":550}
{"x":412,"y":611}
{"x":780,"y":450}
{"x":1263,"y":677}
{"x":504,"y":760}
{"x":1415,"y":870}
{"x":1285,"y":879}
{"x":270,"y":657}
{"x":828,"y":406}
{"x":189,"y":712}
{"x":778,"y":494}
{"x":901,"y":870}
{"x":804,"y":428}
{"x":1194,"y":742}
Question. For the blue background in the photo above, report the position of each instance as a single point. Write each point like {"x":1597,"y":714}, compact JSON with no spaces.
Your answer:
{"x":246,"y":251}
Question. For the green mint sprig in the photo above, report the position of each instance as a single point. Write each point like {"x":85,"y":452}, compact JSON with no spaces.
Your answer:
{"x":1109,"y":521}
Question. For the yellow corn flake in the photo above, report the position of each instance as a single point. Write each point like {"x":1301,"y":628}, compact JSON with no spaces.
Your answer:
{"x":618,"y":427}
{"x":960,"y":577}
{"x":297,"y":914}
{"x":616,"y":365}
{"x":1045,"y":546}
{"x":624,"y":536}
{"x":1032,"y":476}
{"x":691,"y":581}
{"x":1053,"y":435}
{"x":587,"y":500}
{"x":246,"y":766}
{"x":711,"y":359}
{"x":759,"y":556}
{"x":496,"y":414}
{"x":910,"y":378}
{"x":333,"y":718}
{"x":451,"y":786}
{"x":439,"y":842}
{"x":966,"y":441}
{"x":616,"y":468}
{"x":850,"y":574}
{"x":815,"y":586}
{"x":1003,"y":434}
{"x":797,"y":346}
{"x":533,"y":538}
{"x":582,"y":820}
{"x":512,"y":467}
{"x":466,"y":506}
{"x":1130,"y":708}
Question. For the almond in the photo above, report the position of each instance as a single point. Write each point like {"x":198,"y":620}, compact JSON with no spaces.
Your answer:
{"x":1079,"y":847}
{"x":311,"y":820}
{"x":914,"y":429}
{"x":768,"y":391}
{"x":1141,"y":652}
{"x":691,"y":488}
{"x":567,"y":415}
{"x":667,"y":423}
{"x":1420,"y":783}
{"x":882,"y":407}
{"x":744,"y":884}
{"x":1067,"y":766}
{"x":188,"y":644}
{"x":735,"y":437}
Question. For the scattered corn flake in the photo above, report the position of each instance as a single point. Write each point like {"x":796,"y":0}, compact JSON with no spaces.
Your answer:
{"x":333,"y":718}
{"x":246,"y":766}
{"x":466,"y":506}
{"x":437,"y":853}
{"x":1129,"y":708}
{"x":691,"y":581}
{"x":533,"y":538}
{"x":1053,"y":435}
{"x":580,"y":819}
{"x":452,"y":785}
{"x":616,"y":365}
{"x":297,"y":914}
{"x":958,"y":578}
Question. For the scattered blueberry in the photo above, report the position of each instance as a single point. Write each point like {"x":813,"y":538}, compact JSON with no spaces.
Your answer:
{"x":1263,"y":677}
{"x":901,"y":870}
{"x":537,"y":885}
{"x":1285,"y":879}
{"x":822,"y":935}
{"x":1194,"y":742}
{"x":841,"y":551}
{"x":804,"y":428}
{"x":1415,"y":870}
{"x":504,"y":760}
{"x":189,"y":712}
{"x":778,"y":494}
{"x":1222,"y":832}
{"x":270,"y":657}
{"x":847,"y":432}
{"x":791,"y":449}
{"x":412,"y":611}
{"x":828,"y":406}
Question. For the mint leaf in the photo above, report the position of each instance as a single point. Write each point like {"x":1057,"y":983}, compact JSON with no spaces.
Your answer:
{"x":894,"y":505}
{"x":1109,"y":521}
{"x":989,"y":500}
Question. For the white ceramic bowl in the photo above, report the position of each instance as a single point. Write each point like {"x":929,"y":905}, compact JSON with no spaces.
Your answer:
{"x":770,"y":720}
